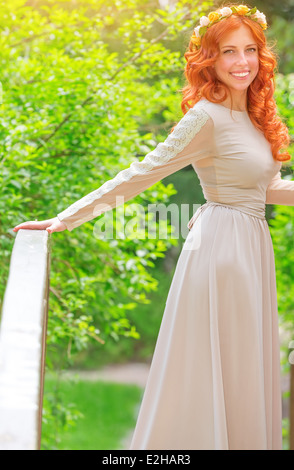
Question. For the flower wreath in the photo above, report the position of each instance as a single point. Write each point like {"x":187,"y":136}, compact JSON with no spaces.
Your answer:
{"x":216,"y":16}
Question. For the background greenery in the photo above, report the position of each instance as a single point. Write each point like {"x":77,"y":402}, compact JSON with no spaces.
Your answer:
{"x":88,"y":87}
{"x":91,"y":415}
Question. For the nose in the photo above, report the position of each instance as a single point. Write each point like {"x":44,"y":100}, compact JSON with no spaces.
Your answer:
{"x":241,"y":58}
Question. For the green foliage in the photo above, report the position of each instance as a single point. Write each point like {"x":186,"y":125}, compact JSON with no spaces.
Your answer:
{"x":103,"y":422}
{"x":281,"y":31}
{"x":59,"y":415}
{"x":281,"y":226}
{"x":285,"y":433}
{"x":75,"y":80}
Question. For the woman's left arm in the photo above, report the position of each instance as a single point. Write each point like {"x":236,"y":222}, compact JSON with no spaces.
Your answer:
{"x":280,"y":192}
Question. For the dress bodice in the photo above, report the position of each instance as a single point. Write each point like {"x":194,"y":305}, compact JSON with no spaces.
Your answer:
{"x":241,"y":165}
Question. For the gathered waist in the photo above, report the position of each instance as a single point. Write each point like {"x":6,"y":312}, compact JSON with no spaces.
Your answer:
{"x":252,"y":211}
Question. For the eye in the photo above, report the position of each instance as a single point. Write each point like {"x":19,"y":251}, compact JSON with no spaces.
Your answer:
{"x":250,"y":49}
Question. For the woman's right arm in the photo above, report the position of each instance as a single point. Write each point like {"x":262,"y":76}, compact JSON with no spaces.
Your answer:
{"x":190,"y":141}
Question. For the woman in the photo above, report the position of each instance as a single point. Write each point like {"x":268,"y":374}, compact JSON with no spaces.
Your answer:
{"x":214,"y":381}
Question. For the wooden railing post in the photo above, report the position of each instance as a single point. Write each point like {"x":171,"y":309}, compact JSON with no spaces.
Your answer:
{"x":23,"y":342}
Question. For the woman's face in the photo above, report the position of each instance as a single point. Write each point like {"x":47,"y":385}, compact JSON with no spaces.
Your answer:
{"x":238,"y":55}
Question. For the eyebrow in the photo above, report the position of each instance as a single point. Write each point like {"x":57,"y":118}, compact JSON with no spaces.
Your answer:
{"x":254,"y":44}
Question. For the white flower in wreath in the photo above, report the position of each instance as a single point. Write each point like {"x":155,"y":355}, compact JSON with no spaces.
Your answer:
{"x":204,"y":21}
{"x":260,"y":17}
{"x":226,"y":11}
{"x":196,"y":31}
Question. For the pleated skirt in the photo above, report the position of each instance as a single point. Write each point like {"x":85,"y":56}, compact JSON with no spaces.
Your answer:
{"x":214,"y":381}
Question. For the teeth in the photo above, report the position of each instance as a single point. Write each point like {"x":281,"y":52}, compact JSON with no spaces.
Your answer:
{"x":240,"y":74}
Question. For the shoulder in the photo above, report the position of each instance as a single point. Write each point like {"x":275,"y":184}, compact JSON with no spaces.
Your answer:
{"x":196,"y":120}
{"x":197,"y":115}
{"x":207,"y":108}
{"x":204,"y":105}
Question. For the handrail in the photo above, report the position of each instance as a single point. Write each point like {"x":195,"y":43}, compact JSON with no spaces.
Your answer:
{"x":23,"y":342}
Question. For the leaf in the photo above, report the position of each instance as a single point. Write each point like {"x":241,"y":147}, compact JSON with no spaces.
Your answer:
{"x":252,"y":11}
{"x":16,"y":184}
{"x":202,"y":30}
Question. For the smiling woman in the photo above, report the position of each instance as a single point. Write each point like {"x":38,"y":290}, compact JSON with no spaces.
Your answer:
{"x":214,"y":381}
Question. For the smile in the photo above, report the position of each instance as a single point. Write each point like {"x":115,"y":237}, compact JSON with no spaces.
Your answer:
{"x":240,"y":75}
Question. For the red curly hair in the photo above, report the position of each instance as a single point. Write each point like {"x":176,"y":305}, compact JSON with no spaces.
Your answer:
{"x":203,"y":82}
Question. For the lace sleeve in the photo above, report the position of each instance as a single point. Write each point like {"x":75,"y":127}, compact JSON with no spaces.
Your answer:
{"x":190,"y":141}
{"x":280,"y":192}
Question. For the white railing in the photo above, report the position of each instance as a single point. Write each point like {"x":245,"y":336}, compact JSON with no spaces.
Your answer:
{"x":23,"y":342}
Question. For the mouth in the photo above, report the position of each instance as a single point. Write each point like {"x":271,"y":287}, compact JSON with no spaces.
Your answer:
{"x":240,"y":75}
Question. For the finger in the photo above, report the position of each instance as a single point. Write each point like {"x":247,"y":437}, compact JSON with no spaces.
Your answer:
{"x":31,"y":225}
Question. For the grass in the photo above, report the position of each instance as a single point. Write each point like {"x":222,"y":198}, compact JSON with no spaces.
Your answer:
{"x":109,"y":415}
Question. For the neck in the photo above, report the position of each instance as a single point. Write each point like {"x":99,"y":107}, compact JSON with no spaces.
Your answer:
{"x":238,"y":102}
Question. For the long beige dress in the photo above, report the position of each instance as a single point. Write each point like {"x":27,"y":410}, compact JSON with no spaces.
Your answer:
{"x":214,"y":381}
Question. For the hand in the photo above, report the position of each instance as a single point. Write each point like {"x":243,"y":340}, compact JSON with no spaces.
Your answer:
{"x":51,"y":225}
